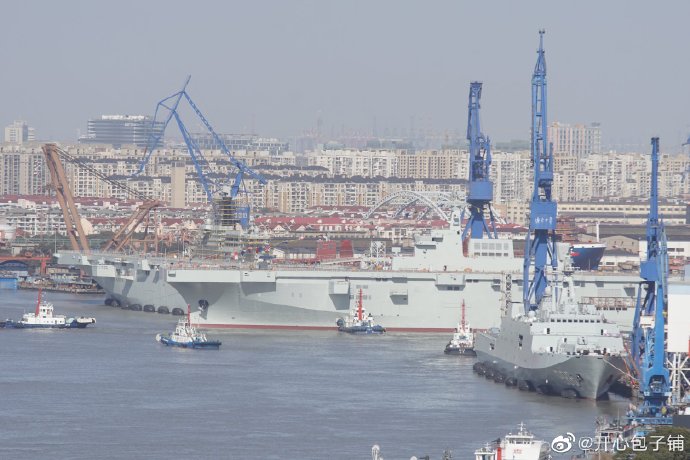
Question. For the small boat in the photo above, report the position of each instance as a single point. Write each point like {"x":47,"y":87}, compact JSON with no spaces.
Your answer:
{"x":357,"y":322}
{"x":187,"y":336}
{"x":462,"y":342}
{"x":44,"y":318}
{"x":519,"y":446}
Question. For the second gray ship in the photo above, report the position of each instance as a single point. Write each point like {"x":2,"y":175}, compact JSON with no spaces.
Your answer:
{"x":566,"y":348}
{"x":555,"y":345}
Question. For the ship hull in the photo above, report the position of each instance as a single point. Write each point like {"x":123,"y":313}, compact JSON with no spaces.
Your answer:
{"x":405,"y":301}
{"x":462,"y":351}
{"x":208,"y":345}
{"x":19,"y":325}
{"x":587,"y":256}
{"x":586,"y":376}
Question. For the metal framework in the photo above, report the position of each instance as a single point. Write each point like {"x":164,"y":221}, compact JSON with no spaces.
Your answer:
{"x":125,"y":233}
{"x":540,"y":243}
{"x":649,"y":347}
{"x":59,"y":183}
{"x":481,"y":191}
{"x":171,"y":104}
{"x":54,"y":157}
{"x":433,"y":200}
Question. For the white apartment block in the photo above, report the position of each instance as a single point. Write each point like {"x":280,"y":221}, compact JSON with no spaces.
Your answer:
{"x":363,"y":163}
{"x":19,"y":132}
{"x":22,"y":170}
{"x":578,"y":140}
{"x":345,"y":177}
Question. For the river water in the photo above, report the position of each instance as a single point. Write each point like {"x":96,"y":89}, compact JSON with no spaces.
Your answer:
{"x":112,"y":392}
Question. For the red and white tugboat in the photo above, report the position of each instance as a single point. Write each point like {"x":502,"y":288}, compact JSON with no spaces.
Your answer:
{"x":462,"y":342}
{"x":357,"y":322}
{"x":44,"y":318}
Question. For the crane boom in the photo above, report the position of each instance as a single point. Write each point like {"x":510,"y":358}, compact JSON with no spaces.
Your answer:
{"x":540,"y":243}
{"x":125,"y":233}
{"x":480,"y":192}
{"x":54,"y":156}
{"x":58,"y":178}
{"x":171,"y":104}
{"x":648,"y":348}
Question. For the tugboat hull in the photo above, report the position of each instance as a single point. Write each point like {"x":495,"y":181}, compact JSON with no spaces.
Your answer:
{"x":74,"y":324}
{"x":460,"y":351}
{"x":207,"y":345}
{"x":361,"y":330}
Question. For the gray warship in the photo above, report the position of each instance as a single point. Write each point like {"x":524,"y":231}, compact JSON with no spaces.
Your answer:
{"x":555,"y":345}
{"x":416,"y":293}
{"x":565,"y":348}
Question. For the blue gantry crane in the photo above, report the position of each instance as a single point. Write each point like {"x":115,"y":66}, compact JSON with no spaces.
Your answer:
{"x":540,"y":243}
{"x":481,"y":191}
{"x":171,"y":105}
{"x":648,"y":342}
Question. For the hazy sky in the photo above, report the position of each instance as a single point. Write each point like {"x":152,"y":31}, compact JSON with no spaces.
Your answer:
{"x":275,"y":65}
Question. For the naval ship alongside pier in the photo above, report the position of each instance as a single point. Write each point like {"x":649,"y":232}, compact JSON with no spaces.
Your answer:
{"x":417,"y":293}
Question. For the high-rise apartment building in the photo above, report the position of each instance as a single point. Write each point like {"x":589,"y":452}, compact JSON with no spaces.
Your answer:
{"x":19,"y":132}
{"x":235,"y":142}
{"x":578,"y":140}
{"x":119,"y":130}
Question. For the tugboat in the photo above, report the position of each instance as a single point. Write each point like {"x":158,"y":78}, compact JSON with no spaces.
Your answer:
{"x":44,"y":318}
{"x":357,"y":323}
{"x":520,"y":446}
{"x":187,"y":336}
{"x":462,"y":342}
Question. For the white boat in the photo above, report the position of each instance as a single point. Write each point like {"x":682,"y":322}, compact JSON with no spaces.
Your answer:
{"x":187,"y":336}
{"x":358,"y":322}
{"x":515,"y":446}
{"x":44,"y":318}
{"x":462,"y":342}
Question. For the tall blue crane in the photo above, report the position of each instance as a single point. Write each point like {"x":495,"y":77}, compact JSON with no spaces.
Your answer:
{"x":171,"y":104}
{"x":481,"y":190}
{"x":648,"y":343}
{"x":540,"y":243}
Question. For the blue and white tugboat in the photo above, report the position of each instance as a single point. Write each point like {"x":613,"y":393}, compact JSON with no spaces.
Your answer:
{"x":43,"y":318}
{"x":462,"y":342}
{"x":187,"y":336}
{"x":357,"y":322}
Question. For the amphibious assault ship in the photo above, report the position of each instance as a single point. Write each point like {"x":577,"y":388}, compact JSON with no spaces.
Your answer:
{"x":420,"y":292}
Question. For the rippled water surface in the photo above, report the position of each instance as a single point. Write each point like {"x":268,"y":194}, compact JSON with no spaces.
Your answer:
{"x":111,"y":391}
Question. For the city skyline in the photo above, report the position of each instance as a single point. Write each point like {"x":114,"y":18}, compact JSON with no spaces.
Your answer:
{"x":277,"y":68}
